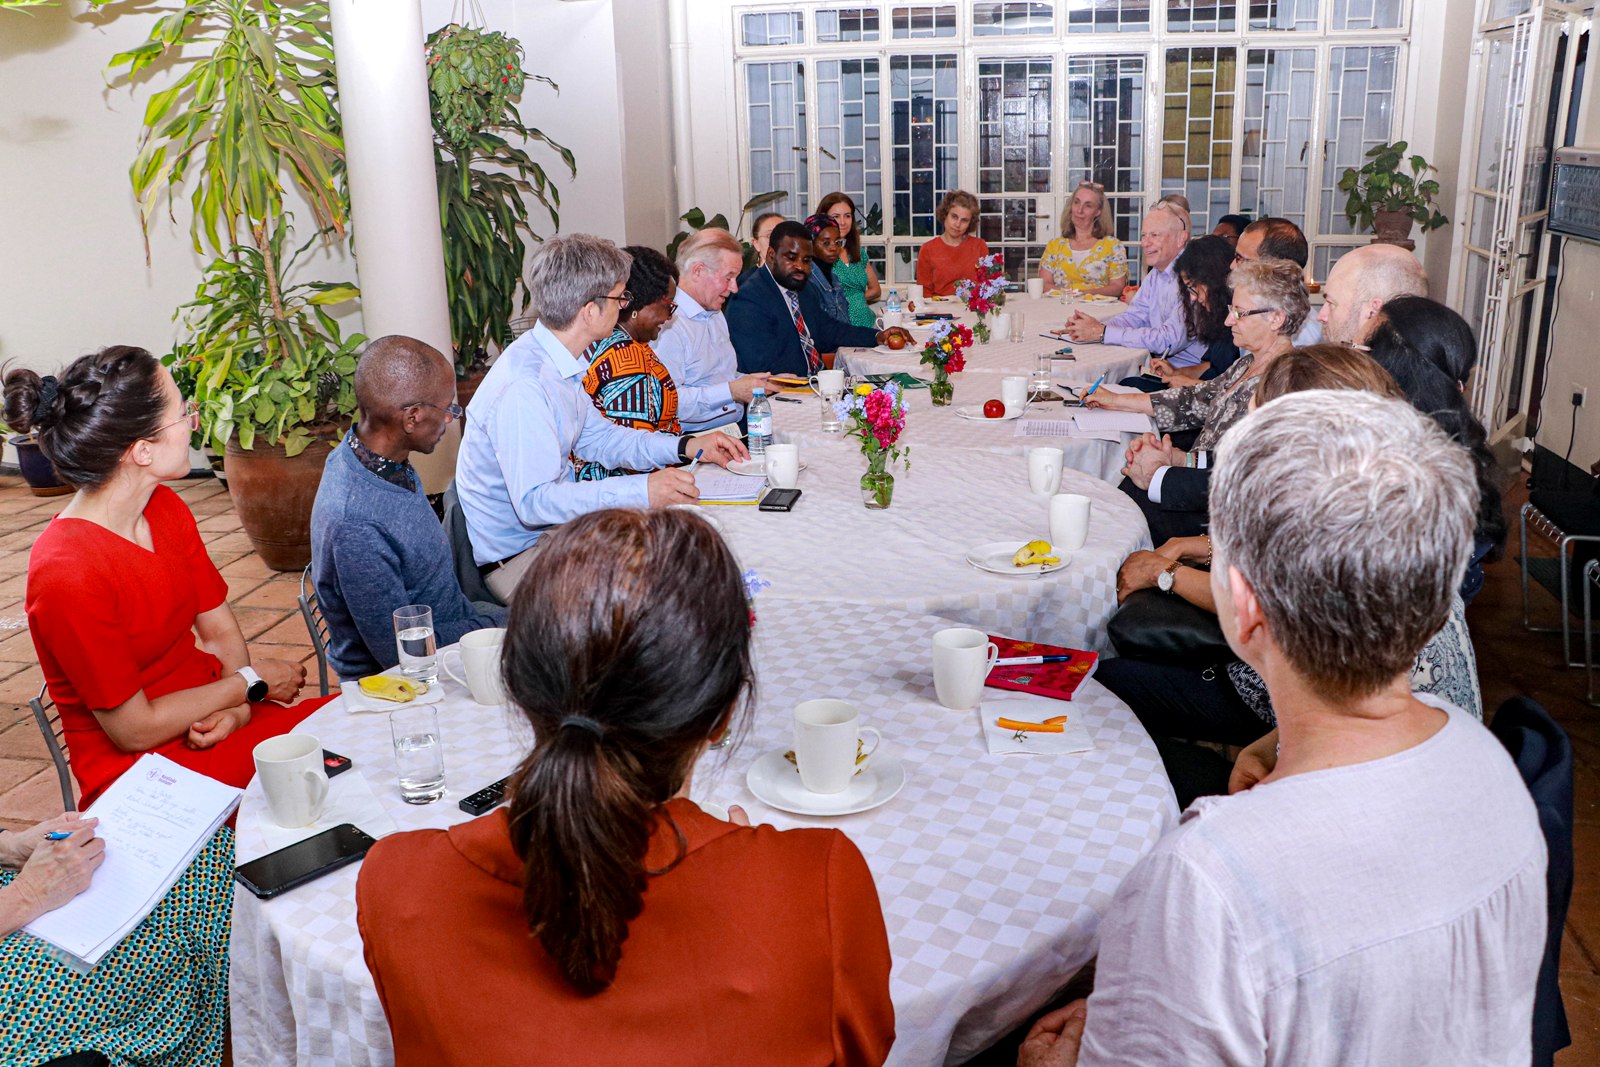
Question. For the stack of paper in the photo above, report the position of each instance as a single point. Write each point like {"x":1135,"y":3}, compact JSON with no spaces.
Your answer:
{"x":1091,"y":419}
{"x":154,"y":820}
{"x":716,"y":484}
{"x":1063,"y":428}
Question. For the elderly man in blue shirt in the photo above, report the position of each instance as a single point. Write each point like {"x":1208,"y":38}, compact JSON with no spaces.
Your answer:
{"x":515,"y":475}
{"x":1154,"y":320}
{"x":694,"y":344}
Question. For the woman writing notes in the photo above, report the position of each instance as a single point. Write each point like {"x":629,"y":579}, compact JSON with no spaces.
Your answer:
{"x":128,"y":614}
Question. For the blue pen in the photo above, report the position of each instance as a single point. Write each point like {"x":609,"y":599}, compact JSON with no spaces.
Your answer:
{"x":1085,"y":397}
{"x":696,"y":461}
{"x":58,"y":835}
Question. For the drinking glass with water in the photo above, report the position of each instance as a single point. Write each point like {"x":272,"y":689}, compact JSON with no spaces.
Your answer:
{"x":413,"y":635}
{"x":418,"y":754}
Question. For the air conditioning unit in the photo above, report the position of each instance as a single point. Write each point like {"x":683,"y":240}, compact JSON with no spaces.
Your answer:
{"x":1575,"y":193}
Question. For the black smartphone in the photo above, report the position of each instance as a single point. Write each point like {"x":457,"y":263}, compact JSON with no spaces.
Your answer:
{"x":334,"y":763}
{"x":304,"y":861}
{"x":779,"y":500}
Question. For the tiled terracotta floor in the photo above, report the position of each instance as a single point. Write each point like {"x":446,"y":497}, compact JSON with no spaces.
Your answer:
{"x":1510,"y":661}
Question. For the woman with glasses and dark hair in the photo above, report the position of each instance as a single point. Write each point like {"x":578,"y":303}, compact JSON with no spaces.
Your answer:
{"x":602,"y":916}
{"x":827,"y":247}
{"x":1087,"y":257}
{"x":129,"y":616}
{"x":627,"y":381}
{"x":855,"y":274}
{"x":1203,"y":269}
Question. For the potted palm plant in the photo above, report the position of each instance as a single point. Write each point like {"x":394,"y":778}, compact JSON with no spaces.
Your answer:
{"x":1381,"y":195}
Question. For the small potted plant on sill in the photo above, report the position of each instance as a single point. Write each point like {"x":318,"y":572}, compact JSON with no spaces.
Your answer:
{"x":32,"y":464}
{"x":1382,"y":196}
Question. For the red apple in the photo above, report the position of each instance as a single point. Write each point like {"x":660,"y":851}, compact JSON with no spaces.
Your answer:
{"x":993,"y":409}
{"x":896,"y":341}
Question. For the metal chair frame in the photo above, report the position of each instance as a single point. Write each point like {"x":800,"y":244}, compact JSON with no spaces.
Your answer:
{"x":48,"y":725}
{"x":1544,"y":527}
{"x":316,"y":626}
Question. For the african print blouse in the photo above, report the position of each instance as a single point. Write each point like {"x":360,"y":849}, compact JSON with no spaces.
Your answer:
{"x":1099,"y":265}
{"x":631,"y":387}
{"x":1214,"y":405}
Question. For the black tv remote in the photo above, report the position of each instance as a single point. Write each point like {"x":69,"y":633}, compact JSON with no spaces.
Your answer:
{"x":486,"y":798}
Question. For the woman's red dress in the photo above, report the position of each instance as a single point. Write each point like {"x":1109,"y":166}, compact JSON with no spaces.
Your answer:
{"x":110,"y":618}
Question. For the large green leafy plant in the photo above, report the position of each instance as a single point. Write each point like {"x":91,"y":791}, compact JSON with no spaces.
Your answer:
{"x":474,"y":78}
{"x":1381,"y":184}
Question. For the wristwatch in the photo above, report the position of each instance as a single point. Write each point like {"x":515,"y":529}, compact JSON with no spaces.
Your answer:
{"x":1164,"y":579}
{"x":683,"y":449}
{"x":255,"y":686}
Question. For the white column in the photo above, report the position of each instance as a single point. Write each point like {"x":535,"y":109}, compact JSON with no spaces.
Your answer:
{"x":394,"y":200}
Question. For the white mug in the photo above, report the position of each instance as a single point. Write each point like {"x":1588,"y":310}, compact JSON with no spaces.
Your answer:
{"x":828,"y":384}
{"x":1044,"y":469}
{"x":479,"y":652}
{"x":826,"y":735}
{"x":1014,"y":393}
{"x":1035,"y":288}
{"x":1001,"y":328}
{"x":890,"y":319}
{"x":1069,"y":521}
{"x":783,"y":466}
{"x":293,"y":778}
{"x":962,"y":660}
{"x":914,"y":292}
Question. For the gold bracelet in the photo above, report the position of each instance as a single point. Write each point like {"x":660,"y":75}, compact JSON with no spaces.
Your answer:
{"x":1209,"y":551}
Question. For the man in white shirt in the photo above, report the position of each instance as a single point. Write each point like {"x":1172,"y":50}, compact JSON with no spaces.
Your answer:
{"x":694,"y":344}
{"x":531,"y":415}
{"x":1374,"y":892}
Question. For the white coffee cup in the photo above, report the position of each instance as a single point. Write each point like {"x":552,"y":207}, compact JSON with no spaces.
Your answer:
{"x":890,"y":319}
{"x":1035,"y":288}
{"x":826,"y":734}
{"x":962,"y":660}
{"x":479,"y":653}
{"x":1001,"y":327}
{"x":1069,"y":521}
{"x":1013,"y":393}
{"x":293,"y":778}
{"x":1044,"y":469}
{"x":828,"y":383}
{"x":914,"y":292}
{"x":783,"y":466}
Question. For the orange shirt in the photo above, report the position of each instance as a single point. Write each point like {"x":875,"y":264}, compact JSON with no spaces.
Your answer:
{"x":940,"y":266}
{"x":759,"y":947}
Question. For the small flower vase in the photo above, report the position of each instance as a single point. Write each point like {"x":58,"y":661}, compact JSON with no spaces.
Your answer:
{"x":877,"y":485}
{"x":942,"y":389}
{"x":980,"y":330}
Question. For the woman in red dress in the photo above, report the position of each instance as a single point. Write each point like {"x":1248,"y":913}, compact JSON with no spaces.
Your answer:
{"x":129,"y":616}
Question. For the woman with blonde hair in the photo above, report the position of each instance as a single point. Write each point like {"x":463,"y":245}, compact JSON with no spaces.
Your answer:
{"x":1087,"y":257}
{"x":854,"y":273}
{"x":952,"y":256}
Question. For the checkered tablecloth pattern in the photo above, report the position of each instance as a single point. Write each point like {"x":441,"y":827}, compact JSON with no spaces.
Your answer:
{"x":993,"y":871}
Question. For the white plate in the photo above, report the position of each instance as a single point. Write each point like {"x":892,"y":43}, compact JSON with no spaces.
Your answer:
{"x":975,"y":413}
{"x":753,"y":468}
{"x":995,"y":558}
{"x":901,"y":351}
{"x":776,"y":782}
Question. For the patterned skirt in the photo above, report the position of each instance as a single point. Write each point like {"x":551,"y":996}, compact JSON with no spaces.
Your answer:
{"x":159,"y":999}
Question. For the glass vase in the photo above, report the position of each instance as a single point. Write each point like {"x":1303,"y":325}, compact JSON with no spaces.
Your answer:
{"x":980,"y":330}
{"x":877,"y":485}
{"x":942,"y":388}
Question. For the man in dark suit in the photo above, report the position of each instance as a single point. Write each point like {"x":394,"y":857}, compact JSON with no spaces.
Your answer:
{"x":1170,"y":486}
{"x":776,"y":325}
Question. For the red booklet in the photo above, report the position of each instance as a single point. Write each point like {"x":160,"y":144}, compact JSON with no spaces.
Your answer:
{"x":1057,"y":680}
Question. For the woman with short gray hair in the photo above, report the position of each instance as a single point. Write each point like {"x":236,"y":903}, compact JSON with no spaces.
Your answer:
{"x":1269,"y":305}
{"x":571,"y":271}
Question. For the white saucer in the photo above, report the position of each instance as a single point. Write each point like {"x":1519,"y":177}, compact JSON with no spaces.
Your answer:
{"x":902,"y":350}
{"x":753,"y":468}
{"x":776,"y":782}
{"x":995,"y":558}
{"x":974,"y":412}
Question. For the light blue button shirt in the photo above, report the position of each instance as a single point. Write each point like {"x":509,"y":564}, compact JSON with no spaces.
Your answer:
{"x":1310,"y":333}
{"x":1154,"y":321}
{"x":529,"y":417}
{"x":694,"y":345}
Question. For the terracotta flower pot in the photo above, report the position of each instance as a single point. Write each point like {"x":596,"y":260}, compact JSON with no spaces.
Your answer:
{"x":36,"y":469}
{"x":1393,"y":228}
{"x":273,"y":495}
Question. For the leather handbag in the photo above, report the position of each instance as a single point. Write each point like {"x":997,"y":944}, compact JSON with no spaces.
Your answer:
{"x":1158,"y":626}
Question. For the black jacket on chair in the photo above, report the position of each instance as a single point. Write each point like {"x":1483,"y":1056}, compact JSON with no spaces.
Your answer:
{"x":764,"y":336}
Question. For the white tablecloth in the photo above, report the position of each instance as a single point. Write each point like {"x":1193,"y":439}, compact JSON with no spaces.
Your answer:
{"x":993,"y":871}
{"x":941,"y":427}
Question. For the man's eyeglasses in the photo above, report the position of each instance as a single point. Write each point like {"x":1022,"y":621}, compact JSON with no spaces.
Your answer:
{"x":191,"y":415}
{"x":1244,"y":313}
{"x":454,"y":411}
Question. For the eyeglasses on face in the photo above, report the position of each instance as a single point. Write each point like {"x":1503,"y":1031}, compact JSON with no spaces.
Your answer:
{"x":1244,"y":313}
{"x":624,"y":298}
{"x":453,"y":411}
{"x":191,"y":415}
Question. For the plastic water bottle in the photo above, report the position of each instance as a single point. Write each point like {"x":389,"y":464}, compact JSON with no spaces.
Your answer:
{"x":758,"y":424}
{"x":892,"y":305}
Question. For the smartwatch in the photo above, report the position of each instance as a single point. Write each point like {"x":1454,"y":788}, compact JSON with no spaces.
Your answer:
{"x":683,"y":449}
{"x":255,"y":686}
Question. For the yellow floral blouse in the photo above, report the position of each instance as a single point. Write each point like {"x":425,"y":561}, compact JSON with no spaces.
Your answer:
{"x":1100,"y":265}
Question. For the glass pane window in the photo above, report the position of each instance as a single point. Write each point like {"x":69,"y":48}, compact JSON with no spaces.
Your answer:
{"x":1108,"y":16}
{"x":1279,"y":108}
{"x":1360,"y":115}
{"x":1012,"y":19}
{"x":1105,"y":136}
{"x":776,"y":106}
{"x":1505,"y":9}
{"x":922,"y":21}
{"x":923,"y":99}
{"x":847,"y":24}
{"x":1323,"y":257}
{"x":1197,"y":130}
{"x":1284,"y":15}
{"x":1204,"y":16}
{"x":1014,"y":157}
{"x":774,"y":27}
{"x":849,"y":136}
{"x":1366,"y":14}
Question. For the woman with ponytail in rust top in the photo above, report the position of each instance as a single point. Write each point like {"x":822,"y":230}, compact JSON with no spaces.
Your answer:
{"x":602,"y":917}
